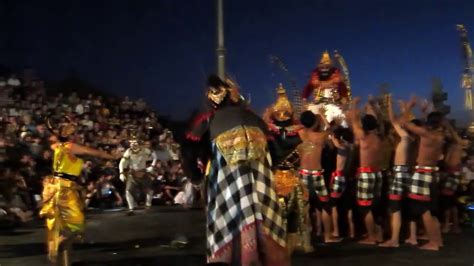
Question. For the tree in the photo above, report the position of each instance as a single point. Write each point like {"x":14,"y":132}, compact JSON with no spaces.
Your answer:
{"x":384,"y":90}
{"x":438,"y":96}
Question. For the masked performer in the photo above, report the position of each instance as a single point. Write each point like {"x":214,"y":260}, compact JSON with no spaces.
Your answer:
{"x":244,"y":223}
{"x":328,"y":88}
{"x":134,"y":159}
{"x":62,"y":205}
{"x":291,"y":194}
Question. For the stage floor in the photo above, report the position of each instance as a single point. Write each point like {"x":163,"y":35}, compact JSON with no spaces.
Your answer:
{"x":115,"y":239}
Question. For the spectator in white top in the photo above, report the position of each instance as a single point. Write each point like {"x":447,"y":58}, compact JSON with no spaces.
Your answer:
{"x":468,"y":171}
{"x":87,"y":122}
{"x":14,"y":81}
{"x":79,"y":109}
{"x":13,"y":112}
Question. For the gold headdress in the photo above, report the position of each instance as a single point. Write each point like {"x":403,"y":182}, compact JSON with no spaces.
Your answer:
{"x":282,"y":109}
{"x":217,"y":90}
{"x":325,"y":59}
{"x":65,"y":130}
{"x":233,"y":90}
{"x":134,"y":136}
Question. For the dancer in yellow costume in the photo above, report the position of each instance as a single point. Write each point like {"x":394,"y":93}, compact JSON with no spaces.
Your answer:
{"x":292,"y":196}
{"x":62,"y":205}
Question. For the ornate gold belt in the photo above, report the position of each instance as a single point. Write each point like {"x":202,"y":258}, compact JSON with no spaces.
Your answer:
{"x":242,"y":144}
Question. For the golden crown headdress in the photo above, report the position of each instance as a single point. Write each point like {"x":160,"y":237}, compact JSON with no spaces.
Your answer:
{"x":325,"y":59}
{"x":233,"y":90}
{"x":64,"y":130}
{"x":282,"y":109}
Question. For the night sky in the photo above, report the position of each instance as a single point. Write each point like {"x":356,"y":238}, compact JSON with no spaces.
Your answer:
{"x":164,"y":50}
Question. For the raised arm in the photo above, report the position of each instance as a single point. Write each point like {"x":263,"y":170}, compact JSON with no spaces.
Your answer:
{"x":337,"y":142}
{"x":426,"y":107}
{"x":457,"y":139}
{"x":391,"y":116}
{"x":420,"y":131}
{"x":84,"y":150}
{"x":353,"y":115}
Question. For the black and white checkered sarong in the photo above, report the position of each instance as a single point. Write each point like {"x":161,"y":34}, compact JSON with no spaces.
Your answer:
{"x":450,"y":185}
{"x":420,"y":184}
{"x":399,"y":185}
{"x":314,"y":181}
{"x":369,"y":186}
{"x":241,"y":195}
{"x":338,"y":184}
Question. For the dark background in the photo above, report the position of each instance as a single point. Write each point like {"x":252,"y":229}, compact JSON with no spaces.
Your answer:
{"x":163,"y":50}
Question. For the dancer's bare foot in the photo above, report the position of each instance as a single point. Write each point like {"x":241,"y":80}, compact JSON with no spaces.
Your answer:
{"x":332,"y":240}
{"x":412,"y":242}
{"x":430,"y":246}
{"x":335,"y":234}
{"x":368,"y":241}
{"x":423,"y":237}
{"x":379,"y":233}
{"x":379,"y":237}
{"x":390,"y":244}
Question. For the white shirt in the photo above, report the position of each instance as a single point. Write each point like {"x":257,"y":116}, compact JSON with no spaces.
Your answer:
{"x":14,"y":82}
{"x":135,"y":161}
{"x":467,"y":174}
{"x":87,"y":123}
{"x":79,"y":109}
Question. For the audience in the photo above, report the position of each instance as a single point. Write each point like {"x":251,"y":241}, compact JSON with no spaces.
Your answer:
{"x":103,"y":123}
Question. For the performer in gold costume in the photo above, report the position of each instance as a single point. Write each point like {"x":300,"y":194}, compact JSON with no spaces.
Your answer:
{"x":328,"y":86}
{"x":62,"y":204}
{"x":292,"y":197}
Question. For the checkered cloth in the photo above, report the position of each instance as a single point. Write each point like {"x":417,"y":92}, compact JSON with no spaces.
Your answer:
{"x":420,"y":184}
{"x":369,"y":185}
{"x":314,"y":181}
{"x":399,"y":185}
{"x":338,"y":184}
{"x":450,"y":185}
{"x":241,"y":197}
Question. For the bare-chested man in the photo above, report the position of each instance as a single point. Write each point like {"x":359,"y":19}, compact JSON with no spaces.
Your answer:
{"x":313,"y":138}
{"x":369,"y":183}
{"x":423,"y":192}
{"x":450,"y":185}
{"x":401,"y":169}
{"x":342,"y":139}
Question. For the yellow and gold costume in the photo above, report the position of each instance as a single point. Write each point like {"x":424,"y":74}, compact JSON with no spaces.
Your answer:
{"x":292,"y":197}
{"x":62,"y":205}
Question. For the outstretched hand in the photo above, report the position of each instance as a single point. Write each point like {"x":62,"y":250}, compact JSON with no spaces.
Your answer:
{"x":355,"y":102}
{"x":412,"y":102}
{"x":425,"y":105}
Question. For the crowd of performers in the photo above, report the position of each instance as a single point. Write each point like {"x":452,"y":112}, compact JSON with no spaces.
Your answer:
{"x":269,"y":179}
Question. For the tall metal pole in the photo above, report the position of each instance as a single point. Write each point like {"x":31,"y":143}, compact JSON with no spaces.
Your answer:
{"x":220,"y":51}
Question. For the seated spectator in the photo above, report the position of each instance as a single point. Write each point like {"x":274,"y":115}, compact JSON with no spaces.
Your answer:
{"x":13,"y":81}
{"x":171,"y":187}
{"x":107,"y":193}
{"x":187,"y":195}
